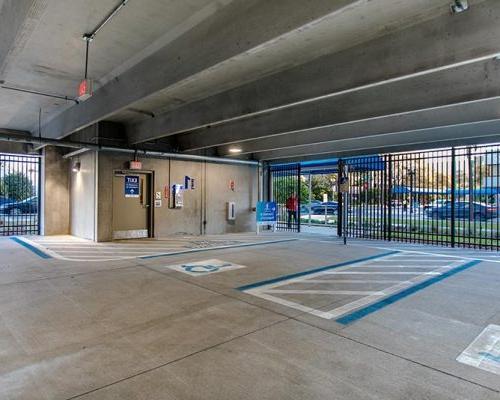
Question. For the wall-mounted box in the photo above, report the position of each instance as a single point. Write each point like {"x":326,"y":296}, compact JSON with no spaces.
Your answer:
{"x":231,"y":211}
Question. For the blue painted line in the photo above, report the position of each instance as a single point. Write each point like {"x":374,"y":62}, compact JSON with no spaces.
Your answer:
{"x":31,"y":248}
{"x":491,"y":357}
{"x":313,"y":271}
{"x":363,"y":312}
{"x":236,"y":246}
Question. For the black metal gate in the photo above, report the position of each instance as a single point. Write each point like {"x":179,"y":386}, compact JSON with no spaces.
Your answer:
{"x":285,"y":190}
{"x":19,"y":195}
{"x":446,"y":197}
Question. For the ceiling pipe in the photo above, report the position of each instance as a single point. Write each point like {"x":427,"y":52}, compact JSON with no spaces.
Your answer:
{"x":36,"y":92}
{"x":12,"y":137}
{"x":76,"y":153}
{"x":91,"y":36}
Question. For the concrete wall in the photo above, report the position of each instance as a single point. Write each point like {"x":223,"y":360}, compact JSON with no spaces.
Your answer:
{"x":83,"y":197}
{"x":206,"y":203}
{"x":56,"y":193}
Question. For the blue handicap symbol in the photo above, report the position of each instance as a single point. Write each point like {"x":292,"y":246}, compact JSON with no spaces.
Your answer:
{"x":203,"y":269}
{"x":490,"y":356}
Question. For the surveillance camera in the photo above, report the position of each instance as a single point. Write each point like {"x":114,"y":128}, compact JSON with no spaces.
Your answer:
{"x":459,"y":6}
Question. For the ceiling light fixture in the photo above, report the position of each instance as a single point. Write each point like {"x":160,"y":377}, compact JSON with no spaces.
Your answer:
{"x":235,"y":150}
{"x":76,"y":166}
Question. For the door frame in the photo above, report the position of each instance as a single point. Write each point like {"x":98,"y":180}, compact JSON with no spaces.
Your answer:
{"x":150,"y":176}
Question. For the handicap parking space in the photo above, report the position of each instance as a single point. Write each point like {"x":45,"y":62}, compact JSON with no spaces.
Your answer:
{"x":357,"y":284}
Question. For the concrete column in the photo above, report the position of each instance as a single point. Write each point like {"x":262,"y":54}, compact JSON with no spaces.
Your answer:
{"x":55,"y":193}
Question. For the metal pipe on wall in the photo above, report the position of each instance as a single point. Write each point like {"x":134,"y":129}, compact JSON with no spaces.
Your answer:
{"x":17,"y":138}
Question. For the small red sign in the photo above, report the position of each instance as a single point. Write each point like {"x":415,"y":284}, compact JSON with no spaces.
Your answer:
{"x":85,"y":89}
{"x":135,"y":165}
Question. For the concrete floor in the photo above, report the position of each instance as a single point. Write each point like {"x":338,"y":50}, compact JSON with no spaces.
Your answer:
{"x":134,"y":329}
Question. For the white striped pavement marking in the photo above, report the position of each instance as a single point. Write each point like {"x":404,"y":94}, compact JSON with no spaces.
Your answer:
{"x":270,"y":291}
{"x":342,"y":292}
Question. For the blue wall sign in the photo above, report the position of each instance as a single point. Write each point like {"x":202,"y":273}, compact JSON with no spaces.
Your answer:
{"x":132,"y":186}
{"x":266,"y":212}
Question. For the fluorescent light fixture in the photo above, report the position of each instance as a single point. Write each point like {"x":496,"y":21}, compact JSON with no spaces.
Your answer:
{"x":235,"y":150}
{"x":76,"y":166}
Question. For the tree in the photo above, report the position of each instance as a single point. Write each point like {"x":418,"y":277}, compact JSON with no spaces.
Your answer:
{"x":16,"y":186}
{"x":323,"y":184}
{"x":284,"y":187}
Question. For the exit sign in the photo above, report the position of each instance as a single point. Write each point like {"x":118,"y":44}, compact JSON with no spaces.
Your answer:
{"x":85,"y":89}
{"x":135,"y":165}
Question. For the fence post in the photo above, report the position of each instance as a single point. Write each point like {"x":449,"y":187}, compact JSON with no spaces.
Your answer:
{"x":453,"y":184}
{"x":388,"y":197}
{"x":340,"y":198}
{"x":299,"y":186}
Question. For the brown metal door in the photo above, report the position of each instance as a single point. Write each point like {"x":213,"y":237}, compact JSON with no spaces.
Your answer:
{"x":131,"y":207}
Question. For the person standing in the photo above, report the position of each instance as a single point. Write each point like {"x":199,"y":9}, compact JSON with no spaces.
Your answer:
{"x":292,"y":207}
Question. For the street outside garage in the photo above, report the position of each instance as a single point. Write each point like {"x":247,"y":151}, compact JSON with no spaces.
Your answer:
{"x":304,"y":316}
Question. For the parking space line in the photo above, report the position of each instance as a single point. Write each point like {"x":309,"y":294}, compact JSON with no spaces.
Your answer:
{"x":85,"y":251}
{"x":379,"y":273}
{"x":344,"y":281}
{"x":40,"y":253}
{"x":312,"y":272}
{"x":412,"y":266}
{"x":296,"y":306}
{"x":363,"y":312}
{"x":416,"y":277}
{"x":342,"y":292}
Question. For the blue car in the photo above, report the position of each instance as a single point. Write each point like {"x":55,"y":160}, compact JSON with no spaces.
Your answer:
{"x":28,"y":206}
{"x":480,"y":211}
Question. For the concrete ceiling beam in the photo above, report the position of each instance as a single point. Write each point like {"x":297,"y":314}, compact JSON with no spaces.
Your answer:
{"x":462,"y":84}
{"x":442,"y":43}
{"x":14,"y":16}
{"x":236,"y":30}
{"x":475,"y":133}
{"x":462,"y":113}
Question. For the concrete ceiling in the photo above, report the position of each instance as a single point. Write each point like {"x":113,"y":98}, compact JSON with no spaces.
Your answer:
{"x":48,"y":52}
{"x":281,"y":80}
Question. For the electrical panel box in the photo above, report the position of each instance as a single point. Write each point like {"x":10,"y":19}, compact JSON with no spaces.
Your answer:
{"x":231,"y":211}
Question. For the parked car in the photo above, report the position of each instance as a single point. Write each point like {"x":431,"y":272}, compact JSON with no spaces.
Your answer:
{"x":437,"y":203}
{"x":462,"y":211}
{"x":27,"y":206}
{"x":304,"y":208}
{"x":330,"y":207}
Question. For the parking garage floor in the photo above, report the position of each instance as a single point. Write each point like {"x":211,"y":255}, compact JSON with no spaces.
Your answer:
{"x":278,"y":316}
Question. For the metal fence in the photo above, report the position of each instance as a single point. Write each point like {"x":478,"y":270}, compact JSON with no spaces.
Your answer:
{"x":446,"y":197}
{"x":285,"y":189}
{"x":19,"y":195}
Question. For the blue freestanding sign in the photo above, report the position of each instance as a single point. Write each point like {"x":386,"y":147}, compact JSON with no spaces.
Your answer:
{"x":266,"y":213}
{"x":132,"y":186}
